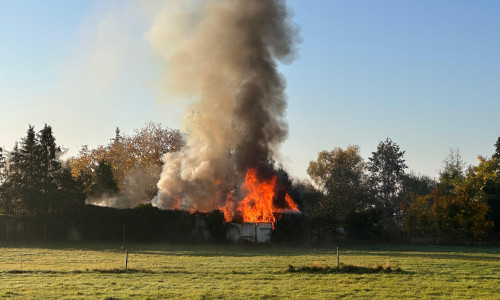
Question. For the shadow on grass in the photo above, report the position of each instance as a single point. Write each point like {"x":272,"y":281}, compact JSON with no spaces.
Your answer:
{"x":317,"y":268}
{"x":486,"y":253}
{"x":102,"y":271}
{"x":432,"y":254}
{"x":116,"y":271}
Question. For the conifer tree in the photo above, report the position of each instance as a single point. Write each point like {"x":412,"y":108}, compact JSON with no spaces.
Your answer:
{"x":497,"y":149}
{"x":34,"y":171}
{"x":103,"y":181}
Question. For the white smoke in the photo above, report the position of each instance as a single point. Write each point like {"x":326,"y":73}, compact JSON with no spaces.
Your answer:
{"x":222,"y":54}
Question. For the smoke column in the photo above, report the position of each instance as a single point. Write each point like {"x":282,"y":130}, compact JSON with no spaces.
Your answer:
{"x":223,"y":54}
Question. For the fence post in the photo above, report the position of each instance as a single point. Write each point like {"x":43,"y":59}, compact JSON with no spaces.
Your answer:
{"x":126,"y":259}
{"x":338,"y":258}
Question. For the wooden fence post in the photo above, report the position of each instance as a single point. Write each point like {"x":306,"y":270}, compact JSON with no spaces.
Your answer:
{"x":338,"y":258}
{"x":126,"y":259}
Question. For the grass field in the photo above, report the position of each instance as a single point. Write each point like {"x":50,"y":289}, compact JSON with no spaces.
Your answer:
{"x":95,"y":271}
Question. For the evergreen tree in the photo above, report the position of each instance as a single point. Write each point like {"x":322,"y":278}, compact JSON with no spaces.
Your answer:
{"x":3,"y":173}
{"x":2,"y":161}
{"x":118,"y":137}
{"x":10,"y":190}
{"x":2,"y":168}
{"x":49,"y":169}
{"x":70,"y":191}
{"x":497,"y":149}
{"x":27,"y":172}
{"x":103,"y":181}
{"x":31,"y":184}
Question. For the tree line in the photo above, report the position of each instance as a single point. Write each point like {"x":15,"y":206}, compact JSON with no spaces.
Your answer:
{"x":33,"y":179}
{"x":348,"y":196}
{"x":36,"y":181}
{"x":378,"y":198}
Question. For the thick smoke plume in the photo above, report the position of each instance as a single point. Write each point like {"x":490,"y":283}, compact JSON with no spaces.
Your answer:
{"x":223,"y":54}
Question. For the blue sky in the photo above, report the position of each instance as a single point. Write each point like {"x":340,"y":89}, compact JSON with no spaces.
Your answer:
{"x":424,"y":73}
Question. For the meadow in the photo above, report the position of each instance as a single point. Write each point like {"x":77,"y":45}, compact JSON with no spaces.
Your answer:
{"x":155,"y":271}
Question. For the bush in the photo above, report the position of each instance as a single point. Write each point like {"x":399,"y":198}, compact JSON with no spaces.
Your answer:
{"x":215,"y":225}
{"x":289,"y":229}
{"x":363,"y":224}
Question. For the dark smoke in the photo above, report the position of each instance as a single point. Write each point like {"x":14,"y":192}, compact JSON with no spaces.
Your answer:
{"x":223,"y":54}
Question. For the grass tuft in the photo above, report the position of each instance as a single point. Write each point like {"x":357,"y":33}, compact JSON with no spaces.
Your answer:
{"x":120,"y":271}
{"x":343,"y":268}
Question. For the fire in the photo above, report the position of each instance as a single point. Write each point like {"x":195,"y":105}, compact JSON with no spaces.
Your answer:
{"x":290,"y":203}
{"x":257,"y":206}
{"x":229,"y":208}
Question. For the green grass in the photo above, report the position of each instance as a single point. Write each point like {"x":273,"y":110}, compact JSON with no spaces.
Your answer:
{"x":96,"y":271}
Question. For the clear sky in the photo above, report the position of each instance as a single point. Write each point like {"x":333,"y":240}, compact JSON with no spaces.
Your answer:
{"x":424,"y":73}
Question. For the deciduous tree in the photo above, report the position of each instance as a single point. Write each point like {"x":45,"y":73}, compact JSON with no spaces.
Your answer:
{"x":452,"y":173}
{"x":413,"y":186}
{"x":461,"y":214}
{"x":483,"y":182}
{"x":387,"y":168}
{"x":340,"y":176}
{"x":136,"y":161}
{"x":418,"y":217}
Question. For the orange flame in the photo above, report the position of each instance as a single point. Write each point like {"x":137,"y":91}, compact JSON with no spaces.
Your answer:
{"x":229,"y":208}
{"x":289,"y":201}
{"x":257,"y":206}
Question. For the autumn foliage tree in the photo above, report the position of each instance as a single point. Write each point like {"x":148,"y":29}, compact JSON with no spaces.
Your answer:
{"x":462,"y":206}
{"x":418,"y":215}
{"x":135,"y":161}
{"x":461,"y":215}
{"x":483,"y":181}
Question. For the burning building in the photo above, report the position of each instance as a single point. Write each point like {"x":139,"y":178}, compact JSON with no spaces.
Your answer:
{"x":222,"y":55}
